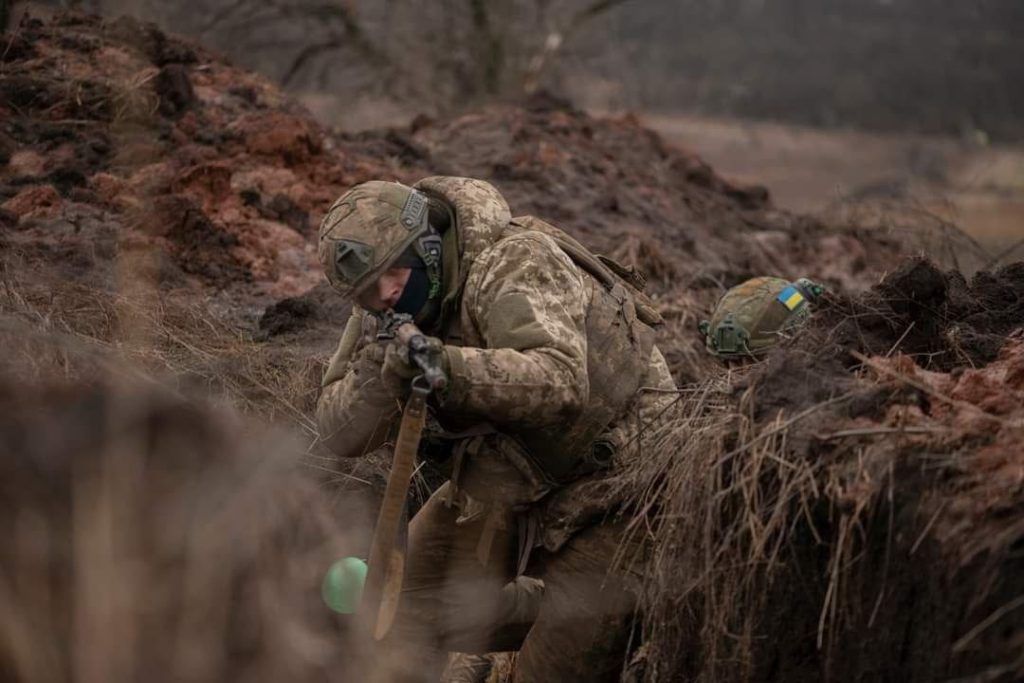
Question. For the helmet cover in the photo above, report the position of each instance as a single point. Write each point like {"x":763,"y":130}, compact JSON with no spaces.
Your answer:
{"x":366,"y":230}
{"x":754,"y":315}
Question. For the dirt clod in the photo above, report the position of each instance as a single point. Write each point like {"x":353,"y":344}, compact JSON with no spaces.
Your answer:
{"x":174,"y":88}
{"x":937,"y":317}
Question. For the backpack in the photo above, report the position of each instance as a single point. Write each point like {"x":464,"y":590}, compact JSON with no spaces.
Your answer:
{"x":620,"y":339}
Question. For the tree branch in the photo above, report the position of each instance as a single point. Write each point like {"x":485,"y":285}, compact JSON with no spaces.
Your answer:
{"x":594,"y":9}
{"x":308,"y":53}
{"x":221,"y":16}
{"x":354,"y":37}
{"x":492,"y":54}
{"x":556,"y":39}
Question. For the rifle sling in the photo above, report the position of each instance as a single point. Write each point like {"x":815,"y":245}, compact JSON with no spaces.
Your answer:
{"x":387,"y":552}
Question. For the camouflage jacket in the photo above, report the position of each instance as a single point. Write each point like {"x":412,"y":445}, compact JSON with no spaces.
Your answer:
{"x":515,"y":338}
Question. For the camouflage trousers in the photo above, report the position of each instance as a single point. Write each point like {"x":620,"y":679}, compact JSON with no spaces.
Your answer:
{"x":577,"y":627}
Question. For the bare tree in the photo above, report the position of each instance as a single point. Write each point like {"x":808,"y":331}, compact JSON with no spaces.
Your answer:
{"x":435,"y":55}
{"x":420,"y":55}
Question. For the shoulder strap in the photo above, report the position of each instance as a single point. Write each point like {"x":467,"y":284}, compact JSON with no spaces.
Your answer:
{"x":605,"y":270}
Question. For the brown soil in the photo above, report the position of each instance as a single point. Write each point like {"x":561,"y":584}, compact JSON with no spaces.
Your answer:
{"x":865,"y":485}
{"x":941,"y":319}
{"x":157,"y":215}
{"x":114,"y":127}
{"x":619,"y":187}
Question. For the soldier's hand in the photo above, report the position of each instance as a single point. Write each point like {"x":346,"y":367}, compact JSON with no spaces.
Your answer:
{"x":396,"y":366}
{"x":398,"y":370}
{"x":367,"y":366}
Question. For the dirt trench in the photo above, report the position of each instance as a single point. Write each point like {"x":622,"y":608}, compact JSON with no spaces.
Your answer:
{"x":860,"y":490}
{"x":158,"y":210}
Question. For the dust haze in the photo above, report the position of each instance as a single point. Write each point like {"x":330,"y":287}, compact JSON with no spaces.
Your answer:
{"x":847,"y":508}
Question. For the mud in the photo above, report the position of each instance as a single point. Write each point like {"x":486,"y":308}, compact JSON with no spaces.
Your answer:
{"x":613,"y":183}
{"x":159,"y":205}
{"x":875,"y":463}
{"x":183,"y":154}
{"x":318,"y":306}
{"x":174,"y":88}
{"x":940,"y":318}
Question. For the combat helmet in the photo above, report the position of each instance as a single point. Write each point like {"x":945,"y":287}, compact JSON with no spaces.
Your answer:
{"x":752,"y":316}
{"x":369,"y":228}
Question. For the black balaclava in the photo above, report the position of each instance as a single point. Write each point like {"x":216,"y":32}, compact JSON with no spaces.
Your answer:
{"x":417,"y":289}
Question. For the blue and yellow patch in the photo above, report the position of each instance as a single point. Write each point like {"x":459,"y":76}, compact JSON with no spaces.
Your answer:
{"x":790,"y":297}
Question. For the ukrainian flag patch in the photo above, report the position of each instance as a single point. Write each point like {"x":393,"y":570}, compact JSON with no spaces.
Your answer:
{"x":790,"y":297}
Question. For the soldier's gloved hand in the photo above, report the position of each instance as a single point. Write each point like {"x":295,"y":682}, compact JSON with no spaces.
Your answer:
{"x":366,"y":366}
{"x":398,"y":370}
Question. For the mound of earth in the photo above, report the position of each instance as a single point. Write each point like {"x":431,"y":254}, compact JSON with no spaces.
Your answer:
{"x":134,"y":159}
{"x":940,"y":318}
{"x":860,"y":490}
{"x":119,"y":140}
{"x":620,"y":189}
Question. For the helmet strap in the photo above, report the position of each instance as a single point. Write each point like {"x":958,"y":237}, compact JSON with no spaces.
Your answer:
{"x":428,"y":248}
{"x":423,"y":289}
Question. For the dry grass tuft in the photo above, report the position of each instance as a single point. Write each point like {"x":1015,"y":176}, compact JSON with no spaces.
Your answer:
{"x":77,"y":334}
{"x":152,"y":538}
{"x":720,"y":499}
{"x":811,"y":520}
{"x":920,"y":230}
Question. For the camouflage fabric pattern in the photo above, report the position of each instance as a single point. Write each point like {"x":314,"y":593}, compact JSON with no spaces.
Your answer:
{"x":750,"y":318}
{"x":527,"y":366}
{"x":516,"y":342}
{"x":635,"y":432}
{"x":363,"y":233}
{"x":355,"y":411}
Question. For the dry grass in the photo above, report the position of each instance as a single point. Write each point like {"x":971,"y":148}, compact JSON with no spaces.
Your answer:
{"x":919,"y":228}
{"x":719,"y":498}
{"x":80,"y":334}
{"x":153,"y":538}
{"x":785,"y":542}
{"x":165,"y":513}
{"x":169,"y":339}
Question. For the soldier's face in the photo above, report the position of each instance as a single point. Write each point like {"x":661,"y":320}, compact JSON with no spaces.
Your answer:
{"x":386,"y":291}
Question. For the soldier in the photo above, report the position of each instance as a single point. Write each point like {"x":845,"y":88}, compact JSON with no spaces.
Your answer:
{"x":755,"y":315}
{"x":554,"y":381}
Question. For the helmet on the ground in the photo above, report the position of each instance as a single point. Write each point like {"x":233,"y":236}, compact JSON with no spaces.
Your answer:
{"x":368,"y":228}
{"x":754,"y":315}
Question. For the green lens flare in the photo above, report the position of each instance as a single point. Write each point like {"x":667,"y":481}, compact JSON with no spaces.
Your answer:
{"x":343,"y":585}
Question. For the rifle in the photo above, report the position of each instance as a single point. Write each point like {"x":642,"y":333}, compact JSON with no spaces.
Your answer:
{"x":400,"y":326}
{"x":387,"y":550}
